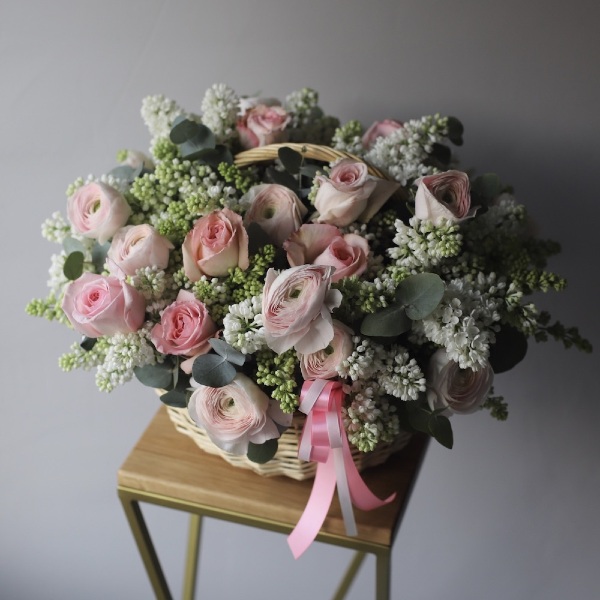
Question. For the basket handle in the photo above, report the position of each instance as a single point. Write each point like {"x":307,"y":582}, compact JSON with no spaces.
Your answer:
{"x":311,"y":151}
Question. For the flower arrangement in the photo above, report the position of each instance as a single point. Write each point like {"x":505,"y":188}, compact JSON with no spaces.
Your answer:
{"x":229,"y":283}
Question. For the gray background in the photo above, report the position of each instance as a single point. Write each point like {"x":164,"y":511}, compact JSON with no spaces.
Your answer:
{"x":512,"y":510}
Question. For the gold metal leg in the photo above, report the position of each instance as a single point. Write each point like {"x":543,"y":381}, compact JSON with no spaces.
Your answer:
{"x":145,"y":547}
{"x":191,"y":565}
{"x":382,"y":575}
{"x":349,"y":576}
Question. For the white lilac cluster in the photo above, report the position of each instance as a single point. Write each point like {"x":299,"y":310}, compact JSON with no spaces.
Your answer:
{"x":505,"y":215}
{"x":369,"y":418}
{"x":301,"y":105}
{"x":403,"y":153}
{"x":55,"y":228}
{"x":151,"y":282}
{"x":463,"y":323}
{"x":118,"y":183}
{"x":220,"y":108}
{"x":125,"y":352}
{"x":158,"y":113}
{"x":243,"y":326}
{"x":420,"y":244}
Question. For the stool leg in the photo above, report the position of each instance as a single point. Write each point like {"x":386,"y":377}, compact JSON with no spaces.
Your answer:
{"x":382,"y":577}
{"x":349,"y":576}
{"x":145,"y":547}
{"x":191,"y":565}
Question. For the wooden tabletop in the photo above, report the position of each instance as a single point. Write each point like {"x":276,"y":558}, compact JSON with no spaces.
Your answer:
{"x":168,"y":463}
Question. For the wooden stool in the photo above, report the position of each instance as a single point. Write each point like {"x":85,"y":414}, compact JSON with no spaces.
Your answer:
{"x":168,"y":469}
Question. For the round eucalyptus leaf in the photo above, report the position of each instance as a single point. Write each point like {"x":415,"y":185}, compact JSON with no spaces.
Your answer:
{"x":290,"y":159}
{"x":176,"y":398}
{"x":73,"y":267}
{"x":228,"y":352}
{"x":183,"y":129}
{"x":262,"y":453}
{"x":213,"y":370}
{"x":159,"y":375}
{"x":388,"y":322}
{"x":420,"y":294}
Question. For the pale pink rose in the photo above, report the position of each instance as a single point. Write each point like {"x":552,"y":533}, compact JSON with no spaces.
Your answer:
{"x":443,"y":196}
{"x":97,"y":211}
{"x":457,"y":390}
{"x":136,"y":159}
{"x":322,"y":244}
{"x":97,"y":305}
{"x":137,"y":246}
{"x":184,"y":329}
{"x":379,"y":129}
{"x":324,"y":363}
{"x":350,"y":194}
{"x":261,"y":125}
{"x":236,"y":414}
{"x":217,"y":243}
{"x":296,"y":308}
{"x":276,"y":209}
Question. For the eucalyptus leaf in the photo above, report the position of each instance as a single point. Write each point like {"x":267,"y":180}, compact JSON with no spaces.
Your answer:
{"x":191,"y":137}
{"x":87,"y":343}
{"x":159,"y":375}
{"x":99,"y":253}
{"x":441,"y":430}
{"x":127,"y":173}
{"x":228,"y":352}
{"x":213,"y":370}
{"x":487,"y":187}
{"x":72,"y":245}
{"x":455,"y":131}
{"x":310,"y":171}
{"x":213,"y":157}
{"x":420,"y":294}
{"x":290,"y":159}
{"x":176,"y":398}
{"x":283,"y":178}
{"x":509,"y":349}
{"x":262,"y":453}
{"x":388,"y":322}
{"x":73,"y":267}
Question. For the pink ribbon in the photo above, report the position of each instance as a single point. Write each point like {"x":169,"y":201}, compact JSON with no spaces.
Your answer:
{"x":324,"y":441}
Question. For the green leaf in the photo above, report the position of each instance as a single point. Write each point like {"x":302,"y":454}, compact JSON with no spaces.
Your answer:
{"x":441,"y":430}
{"x":228,"y":352}
{"x":509,"y":349}
{"x":283,"y":178}
{"x":419,"y":419}
{"x":257,"y":238}
{"x":99,"y":253}
{"x":455,"y":131}
{"x":72,"y":245}
{"x":87,"y":343}
{"x":388,"y":322}
{"x":73,"y":267}
{"x":420,"y":294}
{"x":126,"y":173}
{"x":290,"y":159}
{"x":213,"y":370}
{"x":159,"y":375}
{"x":176,"y":398}
{"x":192,"y":138}
{"x":262,"y":453}
{"x":487,"y":187}
{"x":309,"y":171}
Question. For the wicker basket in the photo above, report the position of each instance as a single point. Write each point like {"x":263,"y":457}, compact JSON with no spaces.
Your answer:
{"x":286,"y":461}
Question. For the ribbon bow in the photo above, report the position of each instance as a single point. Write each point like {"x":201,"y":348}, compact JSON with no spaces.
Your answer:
{"x":324,"y":441}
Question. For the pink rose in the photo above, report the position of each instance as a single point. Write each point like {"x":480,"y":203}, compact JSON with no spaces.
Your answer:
{"x":97,"y":305}
{"x":97,"y":211}
{"x":137,"y":246}
{"x":276,"y":209}
{"x":262,"y":125}
{"x":379,"y":129}
{"x":324,"y":363}
{"x":443,"y":196}
{"x":296,"y":308}
{"x":322,"y":244}
{"x":217,"y":243}
{"x":184,"y":329}
{"x":236,"y":414}
{"x":350,"y":194}
{"x":457,"y":390}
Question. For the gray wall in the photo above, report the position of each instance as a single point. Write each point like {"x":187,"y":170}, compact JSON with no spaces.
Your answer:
{"x":512,"y":510}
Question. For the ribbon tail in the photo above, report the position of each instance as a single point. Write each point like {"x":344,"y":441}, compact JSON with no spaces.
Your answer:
{"x":316,"y":509}
{"x":343,"y":489}
{"x":362,"y":496}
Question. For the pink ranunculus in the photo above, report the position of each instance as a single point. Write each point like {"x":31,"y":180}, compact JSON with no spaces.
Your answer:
{"x":276,"y":209}
{"x":263,"y":124}
{"x":296,"y":308}
{"x":97,"y":305}
{"x":350,"y":194}
{"x":97,"y":211}
{"x":457,"y":390}
{"x":379,"y":129}
{"x":322,"y":244}
{"x":217,"y":243}
{"x":324,"y":363}
{"x":137,"y":246}
{"x":184,"y":329}
{"x":236,"y":414}
{"x":443,"y":196}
